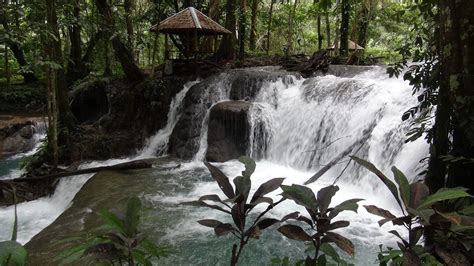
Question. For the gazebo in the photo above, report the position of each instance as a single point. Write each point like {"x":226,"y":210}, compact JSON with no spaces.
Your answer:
{"x":353,"y":47}
{"x":189,"y":24}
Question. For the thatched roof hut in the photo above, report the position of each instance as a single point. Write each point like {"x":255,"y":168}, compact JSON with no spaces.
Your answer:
{"x":352,"y":46}
{"x":190,"y":20}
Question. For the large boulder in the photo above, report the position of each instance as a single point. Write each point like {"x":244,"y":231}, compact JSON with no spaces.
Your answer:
{"x":16,"y":135}
{"x":235,"y":84}
{"x":228,"y":131}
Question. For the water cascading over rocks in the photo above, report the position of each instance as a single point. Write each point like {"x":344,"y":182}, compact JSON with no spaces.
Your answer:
{"x":239,"y":84}
{"x":303,"y":123}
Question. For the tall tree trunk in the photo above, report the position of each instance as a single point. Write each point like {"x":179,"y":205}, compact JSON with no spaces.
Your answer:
{"x":107,"y":68}
{"x":76,"y":68}
{"x":345,"y":16}
{"x":213,"y":13}
{"x":328,"y":29}
{"x":226,"y":48}
{"x":123,"y":54}
{"x":242,"y":25}
{"x":291,"y":17}
{"x":253,"y":25}
{"x":458,"y":69}
{"x":363,"y":21}
{"x":320,"y":37}
{"x":86,"y":58}
{"x":16,"y":49}
{"x":128,"y":6}
{"x":61,"y":113}
{"x":269,"y":27}
{"x":7,"y":64}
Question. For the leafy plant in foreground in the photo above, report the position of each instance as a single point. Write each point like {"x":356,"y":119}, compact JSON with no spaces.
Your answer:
{"x":319,"y":224}
{"x":124,"y":243}
{"x":422,"y":213}
{"x":238,"y":206}
{"x":12,"y":252}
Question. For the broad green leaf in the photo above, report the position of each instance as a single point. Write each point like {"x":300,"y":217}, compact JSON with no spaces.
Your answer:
{"x":221,"y":179}
{"x":403,"y":185}
{"x":154,"y":250}
{"x":242,"y":188}
{"x":329,"y":250}
{"x":13,"y":252}
{"x":418,"y":192}
{"x":133,"y":216}
{"x":444,"y":194}
{"x":388,"y":183}
{"x":294,"y":232}
{"x":249,"y":166}
{"x":112,"y":220}
{"x":468,"y":210}
{"x":348,"y":205}
{"x":342,"y":242}
{"x":324,"y":197}
{"x":302,"y":195}
{"x":267,"y":187}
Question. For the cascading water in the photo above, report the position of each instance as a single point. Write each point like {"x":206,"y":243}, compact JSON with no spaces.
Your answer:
{"x":11,"y":163}
{"x":158,"y":144}
{"x":296,"y":127}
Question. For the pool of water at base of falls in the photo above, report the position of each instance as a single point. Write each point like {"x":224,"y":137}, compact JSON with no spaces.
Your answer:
{"x":166,"y":221}
{"x":198,"y":245}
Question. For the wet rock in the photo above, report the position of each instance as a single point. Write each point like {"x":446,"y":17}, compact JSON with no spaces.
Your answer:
{"x":236,"y":84}
{"x":89,"y":101}
{"x":16,"y":138}
{"x":228,"y":132}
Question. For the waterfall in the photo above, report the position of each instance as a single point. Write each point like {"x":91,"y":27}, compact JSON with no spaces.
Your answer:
{"x":305,"y":123}
{"x":157,"y":145}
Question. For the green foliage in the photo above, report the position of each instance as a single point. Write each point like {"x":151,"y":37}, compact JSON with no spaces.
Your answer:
{"x":319,"y":224}
{"x":238,"y":206}
{"x":445,"y":215}
{"x":12,"y":252}
{"x":122,"y":242}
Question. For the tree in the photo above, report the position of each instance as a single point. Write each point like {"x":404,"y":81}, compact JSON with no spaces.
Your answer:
{"x":345,"y":16}
{"x":226,"y":48}
{"x":457,"y":60}
{"x":242,"y":25}
{"x":269,"y":26}
{"x":253,"y":25}
{"x":123,"y":54}
{"x":15,"y":47}
{"x":76,"y":69}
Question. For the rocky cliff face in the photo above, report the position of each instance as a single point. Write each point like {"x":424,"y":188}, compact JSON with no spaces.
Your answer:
{"x":236,"y":84}
{"x":228,"y":133}
{"x":16,"y":134}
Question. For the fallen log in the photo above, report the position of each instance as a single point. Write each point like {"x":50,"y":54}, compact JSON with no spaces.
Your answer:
{"x":31,"y":188}
{"x":139,"y":164}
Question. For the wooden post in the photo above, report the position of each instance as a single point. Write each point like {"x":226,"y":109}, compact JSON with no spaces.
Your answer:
{"x":153,"y":54}
{"x":7,"y":70}
{"x":167,"y":55}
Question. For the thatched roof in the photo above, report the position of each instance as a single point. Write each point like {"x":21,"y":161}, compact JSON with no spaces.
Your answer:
{"x":189,"y":20}
{"x":352,"y":46}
